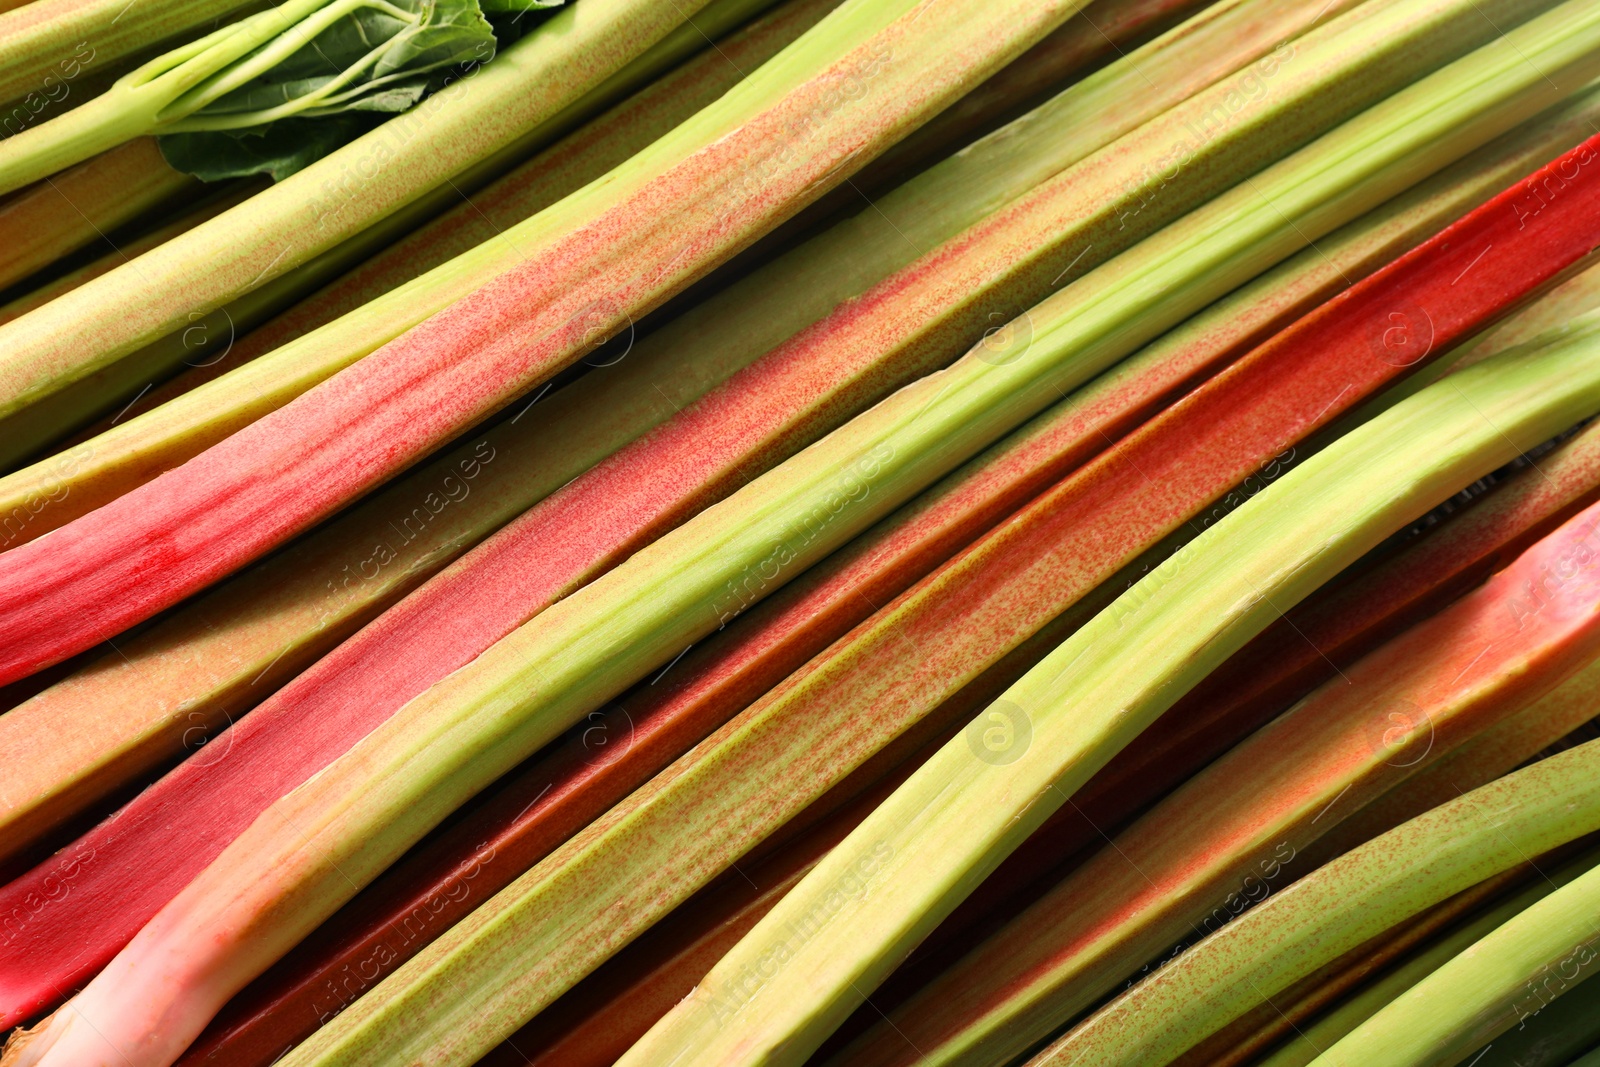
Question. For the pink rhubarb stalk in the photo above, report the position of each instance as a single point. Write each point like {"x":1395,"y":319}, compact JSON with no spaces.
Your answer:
{"x":624,"y":249}
{"x":1235,"y":830}
{"x":792,"y":395}
{"x":359,"y":684}
{"x":1375,"y":604}
{"x":824,"y":721}
{"x":1101,"y":29}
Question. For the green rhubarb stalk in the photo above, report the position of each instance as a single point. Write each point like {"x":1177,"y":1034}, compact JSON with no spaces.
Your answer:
{"x":942,"y":47}
{"x":516,"y":955}
{"x":51,"y":47}
{"x":1265,"y":1026}
{"x":225,"y":80}
{"x":331,"y":200}
{"x":1482,"y":759}
{"x":87,"y":202}
{"x":1552,"y":1036}
{"x":592,"y":646}
{"x":1499,"y":982}
{"x":959,"y":815}
{"x":1495,"y":828}
{"x":206,"y":339}
{"x":205,"y":209}
{"x":1230,"y":832}
{"x":1345,"y":1016}
{"x":758,"y":312}
{"x":215,"y":658}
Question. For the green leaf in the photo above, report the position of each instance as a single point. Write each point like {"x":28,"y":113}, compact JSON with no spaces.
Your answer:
{"x":371,"y":60}
{"x":368,"y":49}
{"x":276,"y":150}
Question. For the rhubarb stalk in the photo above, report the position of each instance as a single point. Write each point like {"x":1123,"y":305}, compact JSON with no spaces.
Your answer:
{"x":85,"y":203}
{"x":1494,"y":828}
{"x":761,"y":311}
{"x":1497,"y":983}
{"x":329,"y":201}
{"x":812,"y":741}
{"x":555,"y":796}
{"x":1250,"y":815}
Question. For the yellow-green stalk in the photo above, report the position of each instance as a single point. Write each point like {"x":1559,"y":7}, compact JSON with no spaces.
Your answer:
{"x":1499,"y":982}
{"x":1479,"y":834}
{"x":339,"y":828}
{"x":330,"y":201}
{"x":208,"y":657}
{"x":743,"y":321}
{"x":959,"y":815}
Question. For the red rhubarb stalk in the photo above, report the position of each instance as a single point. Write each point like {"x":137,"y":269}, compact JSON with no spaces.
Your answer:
{"x":1237,"y":829}
{"x":849,"y":703}
{"x":359,"y":684}
{"x":625,"y":247}
{"x":297,"y":754}
{"x":482,"y":718}
{"x":124,"y":451}
{"x":1426,"y":575}
{"x":1100,"y":29}
{"x":188,"y":671}
{"x":792,"y":395}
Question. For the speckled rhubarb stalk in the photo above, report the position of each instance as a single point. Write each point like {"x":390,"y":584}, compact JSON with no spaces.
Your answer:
{"x":608,"y":254}
{"x":598,"y":1019}
{"x":964,"y":809}
{"x":1235,"y":830}
{"x":1343,"y":622}
{"x":135,"y":449}
{"x":1349,"y":1013}
{"x":332,"y":200}
{"x":1379,"y":603}
{"x":44,"y":223}
{"x":1243,"y":1041}
{"x":1497,"y":983}
{"x":195,"y":670}
{"x":1482,"y":759}
{"x":1573,"y":705}
{"x":832,"y":372}
{"x":1337,"y":907}
{"x":209,"y":340}
{"x":546,"y":675}
{"x":556,"y":796}
{"x":583,"y":155}
{"x":205,"y":208}
{"x":1102,"y":29}
{"x":48,"y":45}
{"x":548,"y":948}
{"x":909,"y":324}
